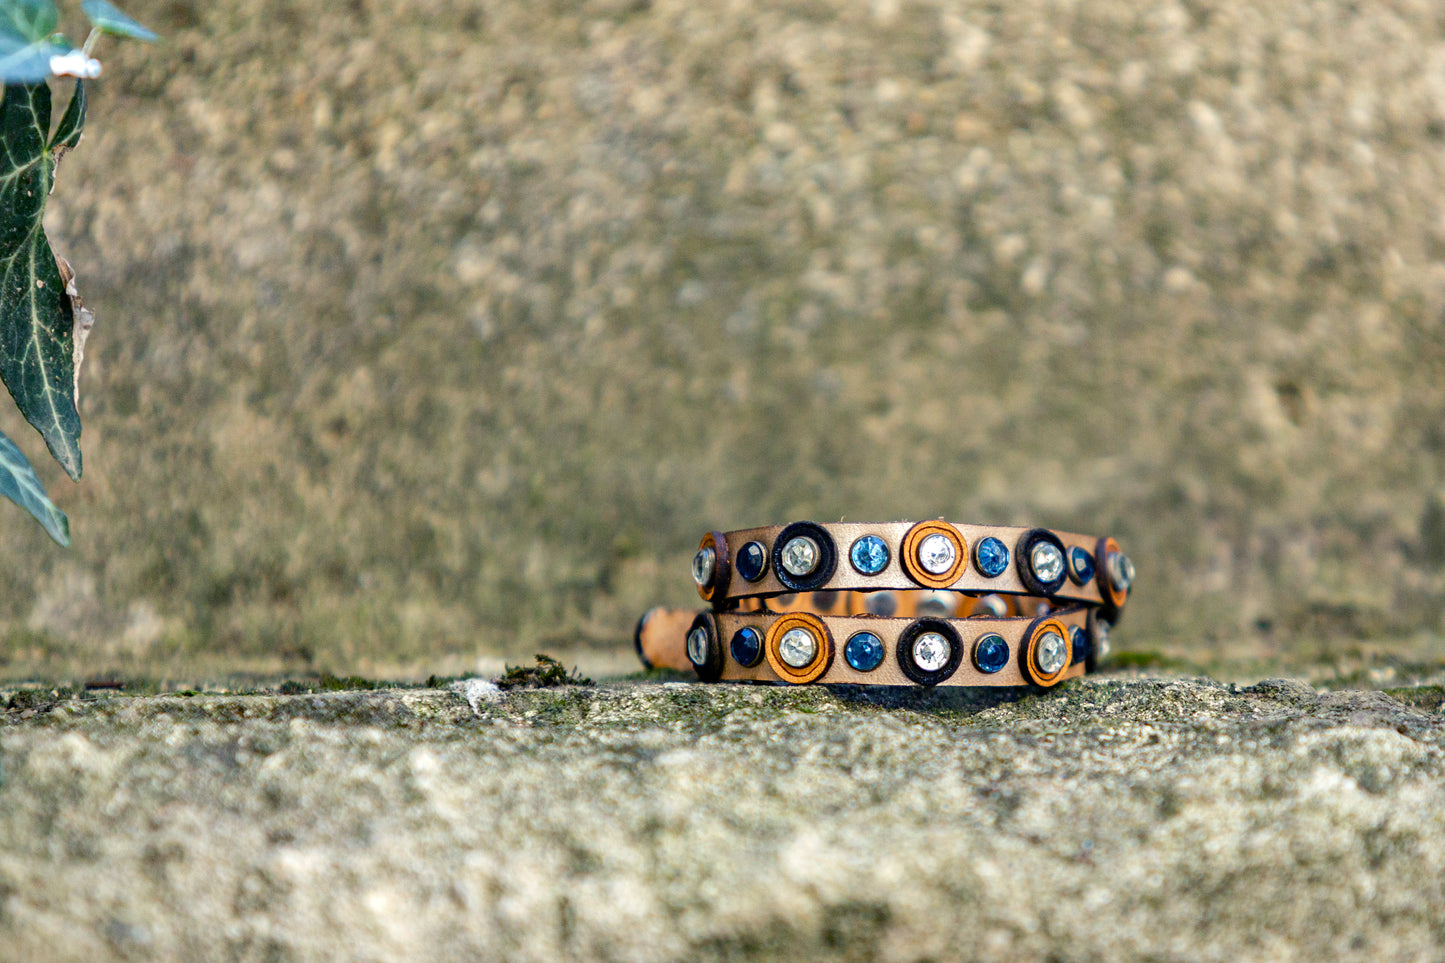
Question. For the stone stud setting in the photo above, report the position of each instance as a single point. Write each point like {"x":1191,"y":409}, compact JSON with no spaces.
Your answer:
{"x":747,"y":646}
{"x":1039,"y":558}
{"x":930,"y":652}
{"x":1047,"y":653}
{"x":704,"y":567}
{"x":990,"y":653}
{"x":933,"y":554}
{"x":697,"y":646}
{"x":939,"y":603}
{"x":1081,"y":565}
{"x":990,"y":557}
{"x":937,"y":553}
{"x":863,"y":651}
{"x":804,"y":557}
{"x":798,"y":648}
{"x":1051,"y":653}
{"x":1121,"y":571}
{"x":800,"y":556}
{"x":752,"y":561}
{"x":881,"y":603}
{"x":1047,"y":561}
{"x":869,"y":555}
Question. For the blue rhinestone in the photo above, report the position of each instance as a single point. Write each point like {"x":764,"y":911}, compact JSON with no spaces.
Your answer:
{"x":991,"y":557}
{"x":1081,"y":565}
{"x":869,"y":555}
{"x":990,"y":653}
{"x":747,"y":646}
{"x":864,"y":651}
{"x":752,"y":561}
{"x":1080,"y":641}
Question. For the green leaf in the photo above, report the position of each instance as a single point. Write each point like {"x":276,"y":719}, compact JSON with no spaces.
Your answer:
{"x":19,"y":484}
{"x":24,"y":62}
{"x":72,"y":124}
{"x":107,"y":19}
{"x":29,"y":21}
{"x":37,"y":319}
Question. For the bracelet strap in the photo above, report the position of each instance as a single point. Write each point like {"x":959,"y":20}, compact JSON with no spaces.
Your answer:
{"x":848,"y":556}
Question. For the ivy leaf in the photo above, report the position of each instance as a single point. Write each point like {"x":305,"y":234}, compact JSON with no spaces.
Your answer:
{"x":19,"y":484}
{"x":23,"y":61}
{"x":37,"y":319}
{"x":72,"y":124}
{"x":107,"y":19}
{"x":29,"y":21}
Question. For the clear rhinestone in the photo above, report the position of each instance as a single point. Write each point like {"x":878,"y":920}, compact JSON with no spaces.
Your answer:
{"x":939,"y":603}
{"x":800,"y":556}
{"x":697,"y":645}
{"x":704,"y":567}
{"x":1050,"y":653}
{"x":937,"y":553}
{"x":1121,"y":571}
{"x":1047,"y":561}
{"x":930,"y":652}
{"x":797,"y":648}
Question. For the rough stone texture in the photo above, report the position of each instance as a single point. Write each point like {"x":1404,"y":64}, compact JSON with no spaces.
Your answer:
{"x":432,"y":328}
{"x":1157,"y":819}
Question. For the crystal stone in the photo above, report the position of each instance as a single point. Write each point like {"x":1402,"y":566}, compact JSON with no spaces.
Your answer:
{"x":991,"y":557}
{"x":800,"y":556}
{"x":937,"y":553}
{"x":864,"y":651}
{"x":1121,"y":571}
{"x":930,"y":652}
{"x":752,"y":561}
{"x":1047,"y":561}
{"x":747,"y":645}
{"x":1101,"y":640}
{"x":797,"y":648}
{"x":869,"y":555}
{"x":1050,"y":653}
{"x":697,"y":645}
{"x":1081,"y":563}
{"x":990,"y":653}
{"x":704,"y":567}
{"x":1080,"y":640}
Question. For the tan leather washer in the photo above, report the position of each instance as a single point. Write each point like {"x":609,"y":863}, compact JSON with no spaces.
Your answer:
{"x":774,"y":637}
{"x":913,"y":565}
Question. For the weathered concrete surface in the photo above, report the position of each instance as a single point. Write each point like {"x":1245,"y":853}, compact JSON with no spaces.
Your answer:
{"x":443,"y":328}
{"x":1159,"y":819}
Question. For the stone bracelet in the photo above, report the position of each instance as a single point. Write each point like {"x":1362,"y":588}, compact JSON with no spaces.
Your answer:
{"x":848,"y":556}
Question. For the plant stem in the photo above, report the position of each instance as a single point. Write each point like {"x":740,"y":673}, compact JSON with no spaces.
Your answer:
{"x":90,"y":41}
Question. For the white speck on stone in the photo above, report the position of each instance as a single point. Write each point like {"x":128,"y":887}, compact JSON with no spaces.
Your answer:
{"x":75,"y":64}
{"x":477,"y":691}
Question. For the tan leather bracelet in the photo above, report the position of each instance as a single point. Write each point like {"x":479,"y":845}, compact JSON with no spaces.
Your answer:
{"x":934,"y":554}
{"x":899,"y":603}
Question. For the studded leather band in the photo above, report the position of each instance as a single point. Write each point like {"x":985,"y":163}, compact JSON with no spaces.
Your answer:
{"x":934,"y":554}
{"x":926,"y":603}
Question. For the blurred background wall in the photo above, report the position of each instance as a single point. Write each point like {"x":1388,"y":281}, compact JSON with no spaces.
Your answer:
{"x":437,"y":332}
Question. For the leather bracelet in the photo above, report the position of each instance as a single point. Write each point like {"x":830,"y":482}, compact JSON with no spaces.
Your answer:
{"x":848,"y":556}
{"x":987,"y":649}
{"x":926,"y":603}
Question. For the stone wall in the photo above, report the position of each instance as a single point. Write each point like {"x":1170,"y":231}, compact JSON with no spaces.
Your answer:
{"x":435,"y":329}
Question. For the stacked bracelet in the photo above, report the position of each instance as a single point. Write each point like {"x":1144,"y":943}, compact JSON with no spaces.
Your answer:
{"x":895,"y":604}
